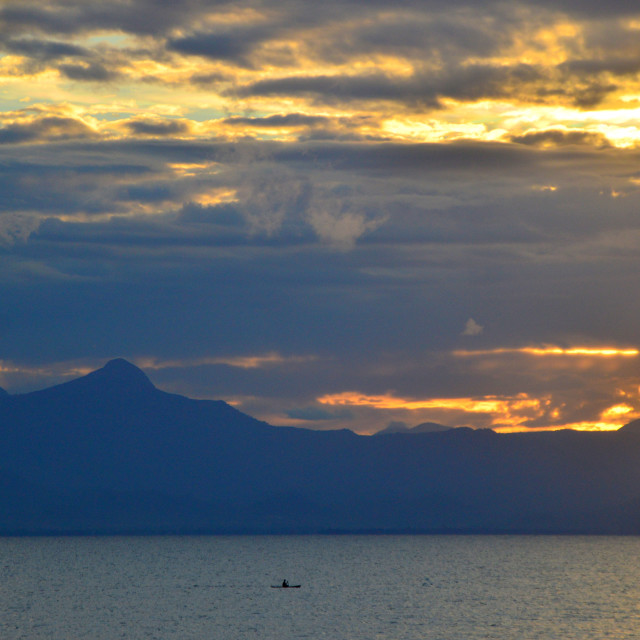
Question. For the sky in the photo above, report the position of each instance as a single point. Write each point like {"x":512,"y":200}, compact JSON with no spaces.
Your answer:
{"x":331,"y":215}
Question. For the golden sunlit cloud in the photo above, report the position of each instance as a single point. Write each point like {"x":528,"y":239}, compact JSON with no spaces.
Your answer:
{"x":241,"y":362}
{"x":215,"y":197}
{"x":575,"y":426}
{"x":505,"y":414}
{"x":597,"y":352}
{"x":487,"y":404}
{"x":189,"y":170}
{"x":617,"y":411}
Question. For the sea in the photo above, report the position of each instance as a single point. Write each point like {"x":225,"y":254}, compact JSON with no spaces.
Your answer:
{"x":352,"y":588}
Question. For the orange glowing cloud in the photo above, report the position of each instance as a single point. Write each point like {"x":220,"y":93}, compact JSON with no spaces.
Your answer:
{"x":504,"y":414}
{"x":604,"y":352}
{"x":503,"y":406}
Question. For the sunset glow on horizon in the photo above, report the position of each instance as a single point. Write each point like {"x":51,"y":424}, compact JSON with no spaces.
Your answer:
{"x":604,"y":352}
{"x":502,"y":414}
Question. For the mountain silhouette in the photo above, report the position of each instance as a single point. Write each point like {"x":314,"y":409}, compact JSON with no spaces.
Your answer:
{"x":423,"y":427}
{"x":631,"y":427}
{"x":111,"y":453}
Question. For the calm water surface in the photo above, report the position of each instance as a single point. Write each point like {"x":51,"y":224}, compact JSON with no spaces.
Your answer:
{"x":353,"y":588}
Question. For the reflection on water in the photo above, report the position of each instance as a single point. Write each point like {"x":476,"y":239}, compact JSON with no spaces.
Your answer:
{"x":353,"y":588}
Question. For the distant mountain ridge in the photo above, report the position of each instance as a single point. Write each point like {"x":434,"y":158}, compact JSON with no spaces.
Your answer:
{"x":110,"y":453}
{"x":423,"y":427}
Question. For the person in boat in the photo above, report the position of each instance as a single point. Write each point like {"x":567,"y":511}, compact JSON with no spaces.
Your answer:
{"x":285,"y":584}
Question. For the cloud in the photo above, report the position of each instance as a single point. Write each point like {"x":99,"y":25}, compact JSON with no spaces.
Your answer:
{"x":157,"y":127}
{"x":279,"y":120}
{"x":44,"y":128}
{"x":72,"y":61}
{"x":16,"y":228}
{"x":472,"y":328}
{"x":338,"y":226}
{"x":90,"y":72}
{"x":232,"y":44}
{"x":44,"y":49}
{"x":225,"y":215}
{"x":581,"y":352}
{"x":517,"y":412}
{"x":315,"y":414}
{"x":519,"y":82}
{"x":143,"y":17}
{"x":268,"y":196}
{"x":268,"y":360}
{"x":561,"y":137}
{"x":592,"y":8}
{"x":338,"y":88}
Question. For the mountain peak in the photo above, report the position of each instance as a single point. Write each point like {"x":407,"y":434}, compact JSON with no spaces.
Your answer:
{"x":117,"y":379}
{"x":121,"y":372}
{"x":120,"y":366}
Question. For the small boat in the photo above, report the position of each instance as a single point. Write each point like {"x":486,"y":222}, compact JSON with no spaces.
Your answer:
{"x":286,"y":586}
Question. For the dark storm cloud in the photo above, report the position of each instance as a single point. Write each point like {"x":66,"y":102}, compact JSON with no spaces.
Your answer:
{"x":226,"y":45}
{"x":333,"y":89}
{"x":43,"y":49}
{"x":51,"y":181}
{"x":214,"y":46}
{"x":48,"y":127}
{"x":562,"y":137}
{"x":474,"y":82}
{"x":76,"y":16}
{"x":592,"y":95}
{"x":59,"y":238}
{"x":73,"y":62}
{"x":429,"y":37}
{"x":590,"y":8}
{"x":208,"y":79}
{"x":616,"y":65}
{"x":286,"y":120}
{"x":226,"y":215}
{"x":159,"y":16}
{"x":416,"y":159}
{"x":142,"y":16}
{"x":157,"y":128}
{"x":27,"y":16}
{"x":92,"y":72}
{"x":204,"y":230}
